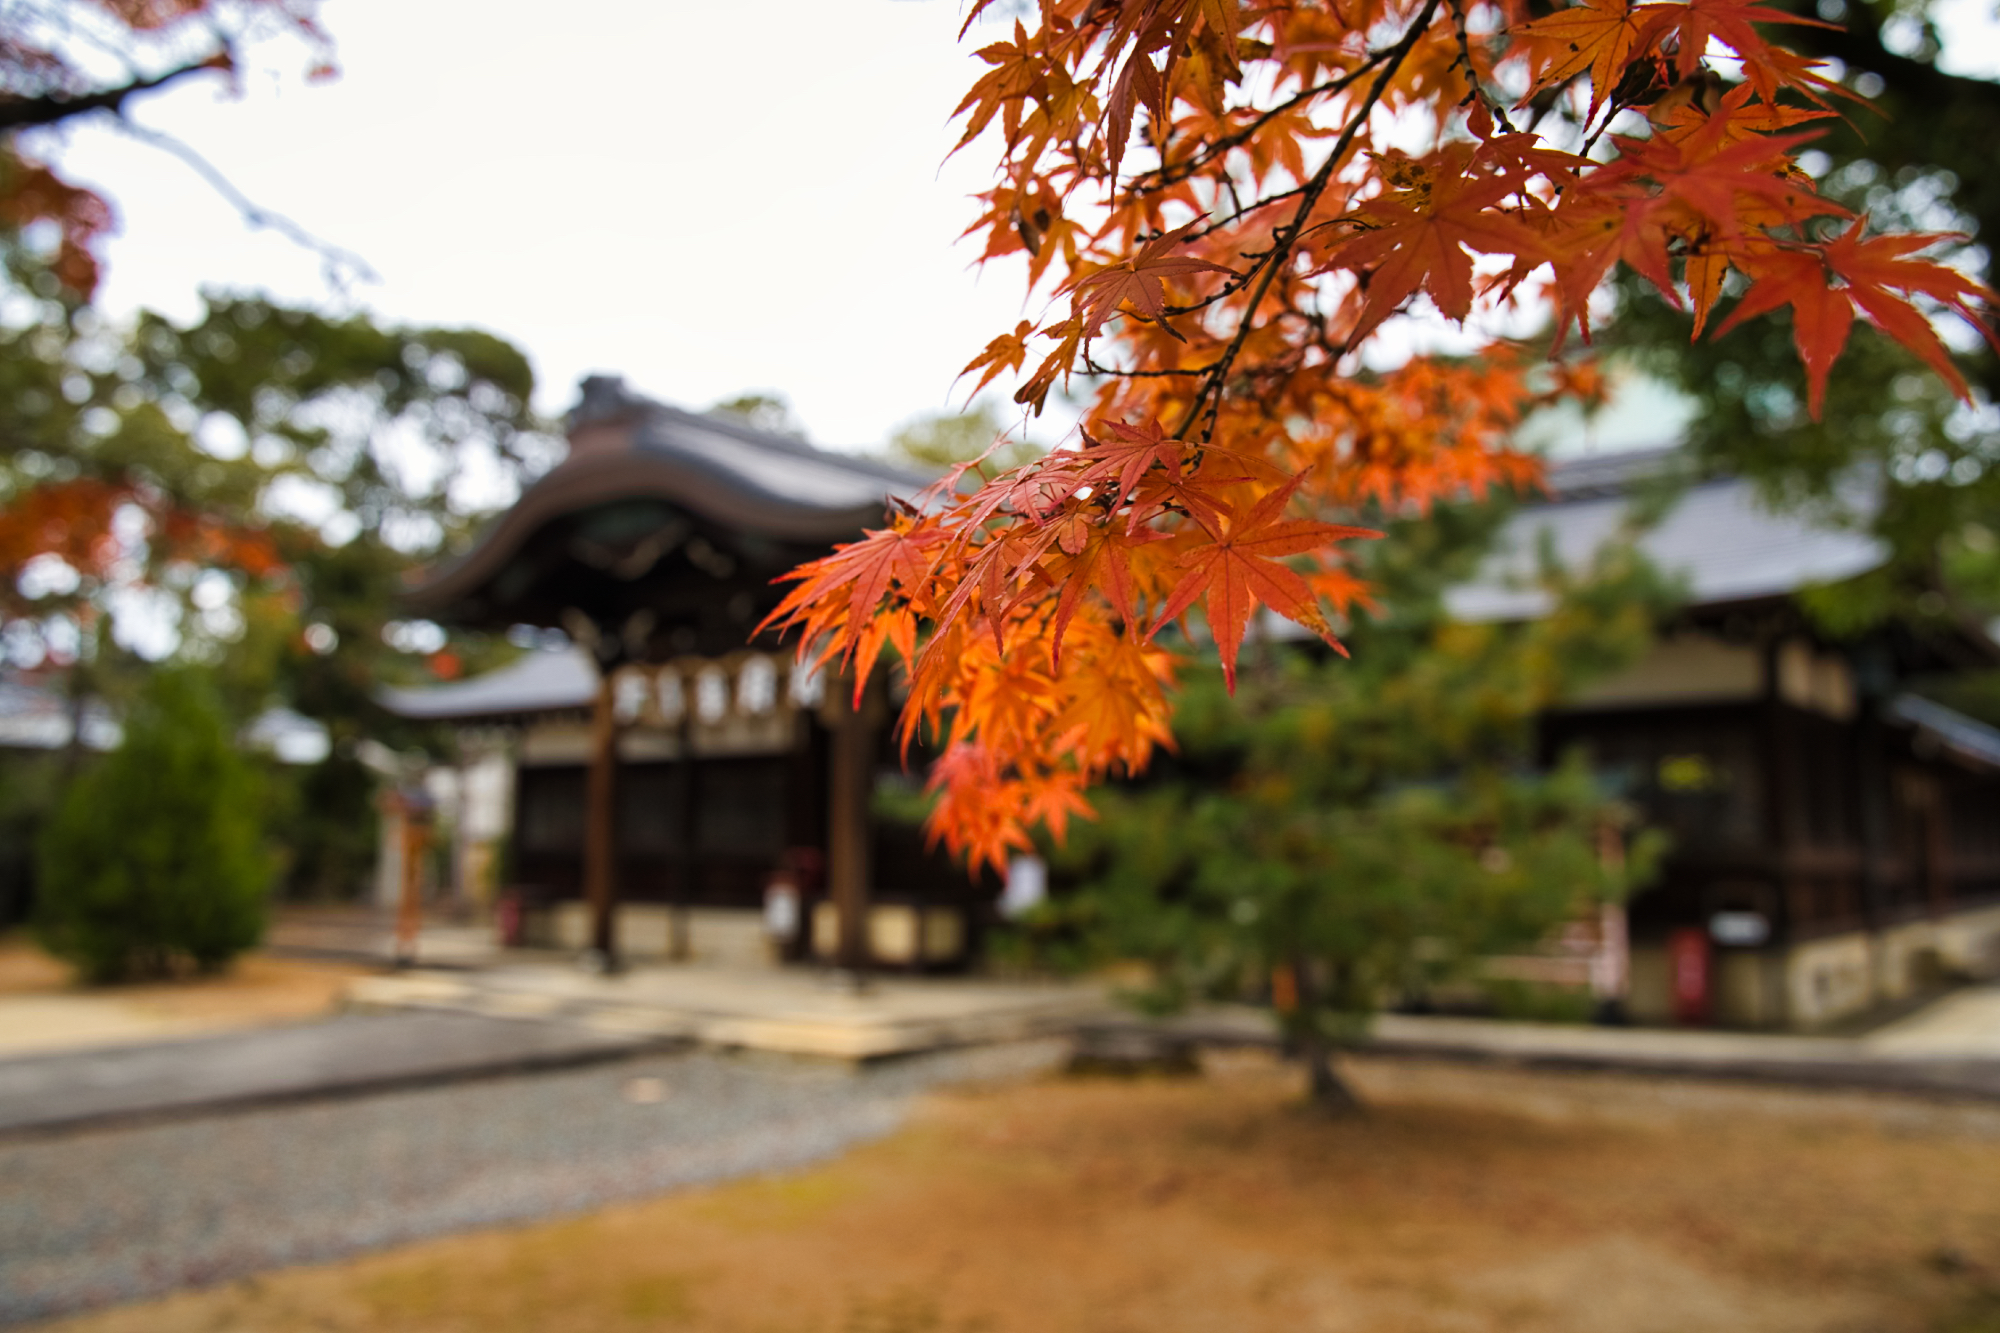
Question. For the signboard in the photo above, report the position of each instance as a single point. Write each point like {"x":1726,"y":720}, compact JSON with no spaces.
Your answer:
{"x":1742,"y":930}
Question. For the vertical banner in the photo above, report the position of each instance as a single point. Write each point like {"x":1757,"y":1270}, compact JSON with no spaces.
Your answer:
{"x":1688,"y":962}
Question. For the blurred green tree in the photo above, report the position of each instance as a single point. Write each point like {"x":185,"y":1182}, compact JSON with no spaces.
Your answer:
{"x":154,"y":860}
{"x":762,"y":410}
{"x":940,"y":440}
{"x":1343,"y":832}
{"x":245,"y":493}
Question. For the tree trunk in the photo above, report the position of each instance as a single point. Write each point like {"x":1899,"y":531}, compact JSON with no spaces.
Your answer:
{"x":1325,"y":1088}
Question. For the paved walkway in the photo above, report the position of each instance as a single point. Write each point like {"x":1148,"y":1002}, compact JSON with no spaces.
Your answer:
{"x":1965,"y":1023}
{"x":1949,"y":1048}
{"x":42,"y":1009}
{"x":794,"y":1011}
{"x":123,"y":1212}
{"x":331,"y":1058}
{"x":442,"y":1026}
{"x":33,"y":1024}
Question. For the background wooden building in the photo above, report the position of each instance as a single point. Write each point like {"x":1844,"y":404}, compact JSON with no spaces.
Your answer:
{"x":669,"y":772}
{"x":1836,"y":836}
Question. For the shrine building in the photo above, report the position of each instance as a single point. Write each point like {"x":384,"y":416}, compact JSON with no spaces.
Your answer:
{"x":1835,"y":835}
{"x":680,"y":789}
{"x":684,"y":791}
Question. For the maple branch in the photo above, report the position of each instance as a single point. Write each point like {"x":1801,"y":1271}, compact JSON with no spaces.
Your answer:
{"x":1286,"y":237}
{"x":1164,"y":178}
{"x":20,"y":113}
{"x":1497,"y":111}
{"x":1243,"y":210}
{"x":1090,"y":367}
{"x":336,"y":262}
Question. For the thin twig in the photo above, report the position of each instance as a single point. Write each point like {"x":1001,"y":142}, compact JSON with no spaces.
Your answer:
{"x":1288,"y":236}
{"x":338,"y":264}
{"x":1165,"y":176}
{"x":1090,"y":367}
{"x":1499,"y":112}
{"x":1243,"y":210}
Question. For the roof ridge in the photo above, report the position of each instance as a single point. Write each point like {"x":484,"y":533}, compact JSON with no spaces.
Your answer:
{"x":780,"y":443}
{"x":1590,"y":475}
{"x":609,"y":397}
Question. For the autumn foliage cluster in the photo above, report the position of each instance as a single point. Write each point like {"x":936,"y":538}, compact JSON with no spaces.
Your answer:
{"x":52,"y":69}
{"x":1224,"y":202}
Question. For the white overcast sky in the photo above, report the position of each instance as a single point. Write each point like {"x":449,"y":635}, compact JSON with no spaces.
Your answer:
{"x":705,"y":198}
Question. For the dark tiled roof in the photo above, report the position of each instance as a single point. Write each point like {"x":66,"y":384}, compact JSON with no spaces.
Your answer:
{"x":537,"y":682}
{"x":1969,"y":739}
{"x":626,"y":447}
{"x":1718,"y":538}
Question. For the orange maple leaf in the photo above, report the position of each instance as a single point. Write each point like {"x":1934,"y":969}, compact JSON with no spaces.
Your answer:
{"x":1239,"y":568}
{"x":1418,"y":237}
{"x":1875,"y":274}
{"x":865,"y":571}
{"x":1116,"y":707}
{"x":979,"y":814}
{"x":1597,"y":35}
{"x":1099,"y":295}
{"x":1102,"y":559}
{"x":1007,"y":352}
{"x":1716,"y":174}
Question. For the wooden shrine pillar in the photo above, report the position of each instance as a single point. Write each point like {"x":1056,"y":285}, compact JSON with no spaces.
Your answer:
{"x":850,"y":781}
{"x":600,"y":828}
{"x":413,"y":830}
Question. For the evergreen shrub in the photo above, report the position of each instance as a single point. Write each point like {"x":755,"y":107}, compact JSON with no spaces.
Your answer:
{"x":154,"y":861}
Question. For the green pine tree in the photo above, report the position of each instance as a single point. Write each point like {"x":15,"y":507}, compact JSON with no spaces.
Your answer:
{"x":1363,"y":829}
{"x":154,"y":861}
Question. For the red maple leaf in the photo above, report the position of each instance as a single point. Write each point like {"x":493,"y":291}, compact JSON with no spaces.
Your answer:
{"x":1696,"y":23}
{"x":1138,"y":280}
{"x":1597,"y":35}
{"x":1874,"y":274}
{"x":1418,"y":236}
{"x":1240,"y":568}
{"x":1128,"y":453}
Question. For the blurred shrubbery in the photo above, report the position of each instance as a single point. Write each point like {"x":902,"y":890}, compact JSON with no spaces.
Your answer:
{"x":154,"y":861}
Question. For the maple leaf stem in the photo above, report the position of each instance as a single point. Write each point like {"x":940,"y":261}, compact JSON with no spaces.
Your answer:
{"x":1210,"y":396}
{"x":1090,"y":367}
{"x":1242,"y":211}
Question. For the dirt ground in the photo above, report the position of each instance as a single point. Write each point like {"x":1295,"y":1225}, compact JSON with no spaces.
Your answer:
{"x":43,"y":1008}
{"x":1468,"y":1199}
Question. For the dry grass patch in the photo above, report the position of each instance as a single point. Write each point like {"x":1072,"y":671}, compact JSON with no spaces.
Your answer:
{"x":42,"y":1007}
{"x":1468,"y":1200}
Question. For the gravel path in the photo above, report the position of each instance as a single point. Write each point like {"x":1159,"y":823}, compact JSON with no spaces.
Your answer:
{"x":103,"y":1216}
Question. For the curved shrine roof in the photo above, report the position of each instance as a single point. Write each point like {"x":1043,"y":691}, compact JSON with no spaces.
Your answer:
{"x":626,"y":448}
{"x":1718,"y":537}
